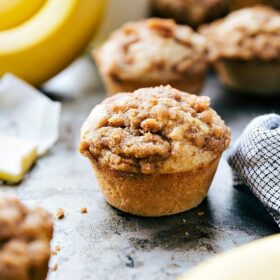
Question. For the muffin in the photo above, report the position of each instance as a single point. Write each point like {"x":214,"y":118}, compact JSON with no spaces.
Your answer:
{"x":154,"y":151}
{"x":239,"y":4}
{"x":245,"y":48}
{"x":24,"y":237}
{"x":152,"y":52}
{"x":191,"y":12}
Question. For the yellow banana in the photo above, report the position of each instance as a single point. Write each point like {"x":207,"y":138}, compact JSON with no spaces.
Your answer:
{"x":39,"y":38}
{"x":258,"y":260}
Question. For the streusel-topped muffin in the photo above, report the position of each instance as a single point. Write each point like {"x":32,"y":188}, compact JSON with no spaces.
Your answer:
{"x":152,"y":52}
{"x":24,"y":237}
{"x":192,"y":12}
{"x":154,"y":151}
{"x":245,"y":47}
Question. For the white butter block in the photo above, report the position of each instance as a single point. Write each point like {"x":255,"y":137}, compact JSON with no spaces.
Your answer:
{"x":16,"y":157}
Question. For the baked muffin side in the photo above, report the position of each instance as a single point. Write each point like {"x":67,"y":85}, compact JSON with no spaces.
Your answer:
{"x":245,"y":48}
{"x":24,"y":237}
{"x":154,"y":151}
{"x":152,"y":52}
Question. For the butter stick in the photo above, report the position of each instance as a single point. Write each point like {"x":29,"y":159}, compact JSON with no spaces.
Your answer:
{"x":16,"y":157}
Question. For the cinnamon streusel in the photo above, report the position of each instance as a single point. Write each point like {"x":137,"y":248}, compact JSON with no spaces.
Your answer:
{"x":245,"y":47}
{"x":152,"y":52}
{"x":154,"y":151}
{"x":24,"y":241}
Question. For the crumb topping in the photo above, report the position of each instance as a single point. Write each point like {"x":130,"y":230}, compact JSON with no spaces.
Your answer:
{"x":152,"y":128}
{"x":24,"y":240}
{"x":152,"y":49}
{"x":250,"y":33}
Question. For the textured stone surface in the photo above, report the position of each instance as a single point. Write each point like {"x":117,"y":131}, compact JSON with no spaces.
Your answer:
{"x":107,"y":244}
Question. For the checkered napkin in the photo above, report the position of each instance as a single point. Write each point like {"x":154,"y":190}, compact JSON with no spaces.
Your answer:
{"x":255,"y":160}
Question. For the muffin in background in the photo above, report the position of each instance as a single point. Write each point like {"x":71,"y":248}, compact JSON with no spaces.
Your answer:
{"x":245,"y":49}
{"x":154,"y":151}
{"x":239,"y":4}
{"x":152,"y":52}
{"x":191,"y":12}
{"x":25,"y":235}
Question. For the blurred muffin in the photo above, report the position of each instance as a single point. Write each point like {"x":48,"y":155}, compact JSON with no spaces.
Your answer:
{"x":154,"y":151}
{"x":245,"y":48}
{"x":238,"y":4}
{"x":152,"y":52}
{"x":192,"y":12}
{"x":24,"y":237}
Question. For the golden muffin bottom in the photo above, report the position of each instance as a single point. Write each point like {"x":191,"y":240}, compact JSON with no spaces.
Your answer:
{"x":252,"y":76}
{"x":192,"y":83}
{"x":154,"y":195}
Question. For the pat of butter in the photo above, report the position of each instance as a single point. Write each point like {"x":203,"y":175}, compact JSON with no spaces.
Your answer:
{"x":16,"y":157}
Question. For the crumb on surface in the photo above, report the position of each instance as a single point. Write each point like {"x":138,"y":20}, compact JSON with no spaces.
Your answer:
{"x":200,"y":213}
{"x":60,"y":214}
{"x":56,"y":249}
{"x":54,"y":267}
{"x":83,"y":210}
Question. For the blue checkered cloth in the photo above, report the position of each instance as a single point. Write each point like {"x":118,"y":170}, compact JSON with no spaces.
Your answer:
{"x":255,"y":160}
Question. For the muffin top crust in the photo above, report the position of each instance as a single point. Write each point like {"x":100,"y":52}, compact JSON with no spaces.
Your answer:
{"x":154,"y":130}
{"x":24,"y":240}
{"x":152,"y":49}
{"x":250,"y":33}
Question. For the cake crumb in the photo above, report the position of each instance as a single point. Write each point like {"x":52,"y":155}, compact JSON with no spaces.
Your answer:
{"x":56,"y":250}
{"x":200,"y":213}
{"x":60,"y":214}
{"x":186,"y":233}
{"x":55,"y":266}
{"x":83,"y":210}
{"x":184,"y":221}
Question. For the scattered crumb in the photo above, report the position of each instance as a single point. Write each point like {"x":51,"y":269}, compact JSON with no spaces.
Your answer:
{"x":200,"y":213}
{"x":55,"y":266}
{"x":60,"y":214}
{"x":56,"y":250}
{"x":83,"y":210}
{"x":184,"y":221}
{"x":166,"y":246}
{"x":186,"y":233}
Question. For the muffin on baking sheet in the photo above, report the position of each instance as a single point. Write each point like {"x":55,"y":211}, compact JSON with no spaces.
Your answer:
{"x":154,"y":151}
{"x":245,"y":48}
{"x":24,"y":237}
{"x":152,"y":52}
{"x":191,"y":12}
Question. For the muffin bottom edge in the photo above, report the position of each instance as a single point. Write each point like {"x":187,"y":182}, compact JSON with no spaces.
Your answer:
{"x":155,"y":195}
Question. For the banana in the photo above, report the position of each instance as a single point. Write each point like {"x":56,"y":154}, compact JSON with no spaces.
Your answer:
{"x":41,"y":37}
{"x":258,"y":260}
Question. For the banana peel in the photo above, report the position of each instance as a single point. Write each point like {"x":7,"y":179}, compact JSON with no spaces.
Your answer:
{"x":258,"y":260}
{"x":38,"y":42}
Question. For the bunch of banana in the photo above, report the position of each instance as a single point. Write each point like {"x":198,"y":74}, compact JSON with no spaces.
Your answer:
{"x":39,"y":38}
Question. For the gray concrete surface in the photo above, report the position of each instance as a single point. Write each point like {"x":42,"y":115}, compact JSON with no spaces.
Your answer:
{"x":108,"y":244}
